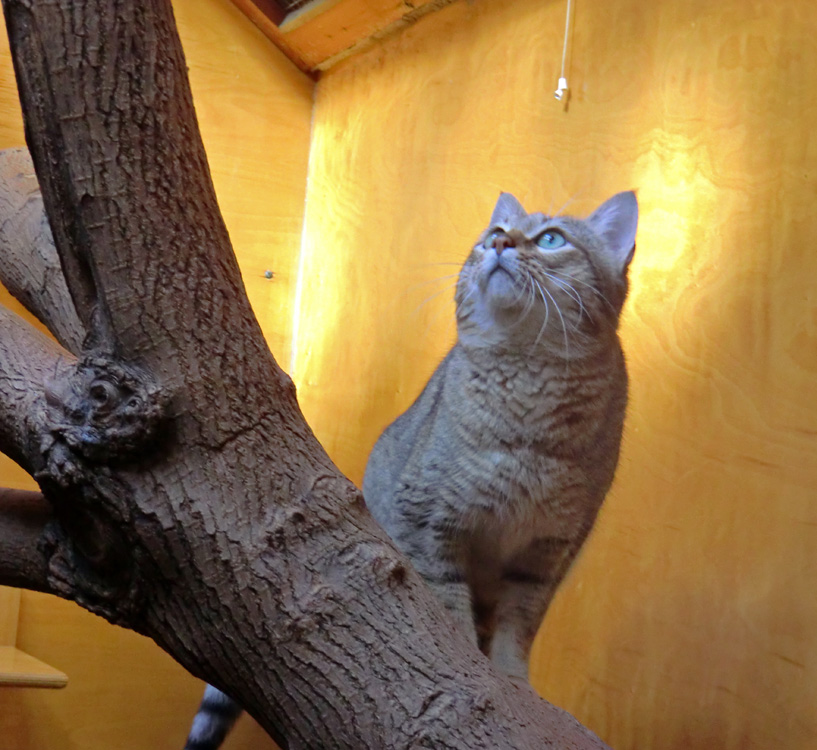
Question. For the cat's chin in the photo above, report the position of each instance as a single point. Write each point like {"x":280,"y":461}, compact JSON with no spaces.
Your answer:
{"x":501,"y":292}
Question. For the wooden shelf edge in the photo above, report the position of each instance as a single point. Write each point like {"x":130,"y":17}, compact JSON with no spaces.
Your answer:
{"x":18,"y":669}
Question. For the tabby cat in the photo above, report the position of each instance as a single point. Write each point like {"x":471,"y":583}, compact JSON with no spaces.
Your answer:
{"x":492,"y":479}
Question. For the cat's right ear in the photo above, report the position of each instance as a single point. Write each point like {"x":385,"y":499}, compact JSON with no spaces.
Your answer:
{"x":616,"y":220}
{"x":507,"y":210}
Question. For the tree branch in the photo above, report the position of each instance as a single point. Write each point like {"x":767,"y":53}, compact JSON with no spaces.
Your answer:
{"x":31,"y":267}
{"x":29,"y":361}
{"x":123,"y":221}
{"x":24,"y":520}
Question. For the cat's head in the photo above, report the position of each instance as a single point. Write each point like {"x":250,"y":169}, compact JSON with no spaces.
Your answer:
{"x":534,"y":280}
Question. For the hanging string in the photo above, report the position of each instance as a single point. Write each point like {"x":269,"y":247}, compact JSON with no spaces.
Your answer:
{"x":562,"y":88}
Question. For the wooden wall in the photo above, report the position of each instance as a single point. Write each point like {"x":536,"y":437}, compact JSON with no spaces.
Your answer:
{"x":254,"y":110}
{"x":690,"y":621}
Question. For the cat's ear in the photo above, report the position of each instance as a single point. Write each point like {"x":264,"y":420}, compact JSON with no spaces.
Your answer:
{"x":616,"y":221}
{"x":507,"y":209}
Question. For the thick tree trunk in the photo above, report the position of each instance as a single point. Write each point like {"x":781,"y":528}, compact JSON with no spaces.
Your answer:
{"x":187,"y":498}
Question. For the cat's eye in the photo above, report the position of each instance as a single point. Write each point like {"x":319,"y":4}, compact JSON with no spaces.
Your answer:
{"x":492,"y":235}
{"x":551,"y":239}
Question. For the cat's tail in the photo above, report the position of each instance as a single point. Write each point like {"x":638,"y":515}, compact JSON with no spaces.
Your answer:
{"x":215,"y":718}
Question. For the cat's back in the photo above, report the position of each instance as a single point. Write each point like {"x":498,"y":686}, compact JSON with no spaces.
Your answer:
{"x":402,"y":442}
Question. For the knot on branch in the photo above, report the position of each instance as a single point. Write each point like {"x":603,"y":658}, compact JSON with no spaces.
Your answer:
{"x":102,"y":414}
{"x":89,"y":563}
{"x":105,"y":412}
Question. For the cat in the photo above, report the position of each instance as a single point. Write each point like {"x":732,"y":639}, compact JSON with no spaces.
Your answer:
{"x":492,"y":479}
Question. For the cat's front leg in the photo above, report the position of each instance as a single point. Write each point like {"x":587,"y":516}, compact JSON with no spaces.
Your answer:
{"x":529,"y":581}
{"x":426,"y":534}
{"x":448,"y":583}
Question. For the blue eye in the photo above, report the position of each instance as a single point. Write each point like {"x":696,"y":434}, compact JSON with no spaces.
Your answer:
{"x":551,"y":239}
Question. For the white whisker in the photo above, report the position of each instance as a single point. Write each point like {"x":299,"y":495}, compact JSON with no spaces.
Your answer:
{"x":531,"y":299}
{"x":572,"y":198}
{"x":589,"y":286}
{"x":420,"y":284}
{"x":438,"y":263}
{"x":430,"y":297}
{"x":562,"y":318}
{"x":431,"y":323}
{"x":573,"y":294}
{"x":547,"y":314}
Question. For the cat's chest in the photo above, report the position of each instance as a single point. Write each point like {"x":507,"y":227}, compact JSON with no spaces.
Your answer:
{"x":523,"y":411}
{"x":518,"y":443}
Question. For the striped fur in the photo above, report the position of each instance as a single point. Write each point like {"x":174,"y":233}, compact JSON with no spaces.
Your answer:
{"x":492,"y":479}
{"x":215,"y":718}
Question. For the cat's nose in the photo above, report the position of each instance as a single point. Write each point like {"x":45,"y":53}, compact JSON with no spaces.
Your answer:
{"x":500,"y":242}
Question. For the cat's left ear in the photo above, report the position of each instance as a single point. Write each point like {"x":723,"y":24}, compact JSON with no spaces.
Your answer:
{"x":507,"y":210}
{"x":616,"y":221}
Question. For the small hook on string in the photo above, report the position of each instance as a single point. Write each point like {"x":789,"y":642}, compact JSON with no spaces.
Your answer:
{"x":562,"y":92}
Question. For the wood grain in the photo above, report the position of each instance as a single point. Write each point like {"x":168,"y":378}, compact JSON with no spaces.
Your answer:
{"x":9,"y":612}
{"x":690,"y":620}
{"x":265,"y":23}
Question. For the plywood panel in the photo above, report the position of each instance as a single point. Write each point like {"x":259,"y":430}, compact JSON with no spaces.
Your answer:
{"x":123,"y":692}
{"x":254,"y":110}
{"x":9,"y":611}
{"x":690,"y":620}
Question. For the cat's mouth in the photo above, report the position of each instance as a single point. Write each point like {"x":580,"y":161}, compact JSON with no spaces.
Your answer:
{"x":499,"y":268}
{"x":492,"y":264}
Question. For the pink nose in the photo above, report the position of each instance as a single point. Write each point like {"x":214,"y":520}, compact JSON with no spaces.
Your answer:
{"x":500,"y":242}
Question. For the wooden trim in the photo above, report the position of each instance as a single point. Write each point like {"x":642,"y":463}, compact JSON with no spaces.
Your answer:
{"x":18,"y":669}
{"x":395,"y":27}
{"x":271,"y":10}
{"x":305,"y":13}
{"x":270,"y":29}
{"x":325,"y":31}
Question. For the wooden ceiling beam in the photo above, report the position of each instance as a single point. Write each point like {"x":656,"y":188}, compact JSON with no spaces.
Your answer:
{"x":325,"y":31}
{"x":264,"y":18}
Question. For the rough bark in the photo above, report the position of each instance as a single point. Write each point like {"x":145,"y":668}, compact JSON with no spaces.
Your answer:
{"x":31,"y":267}
{"x":24,"y":521}
{"x":189,"y":499}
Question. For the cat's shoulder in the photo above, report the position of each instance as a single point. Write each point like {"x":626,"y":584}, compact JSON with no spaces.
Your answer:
{"x":428,"y":402}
